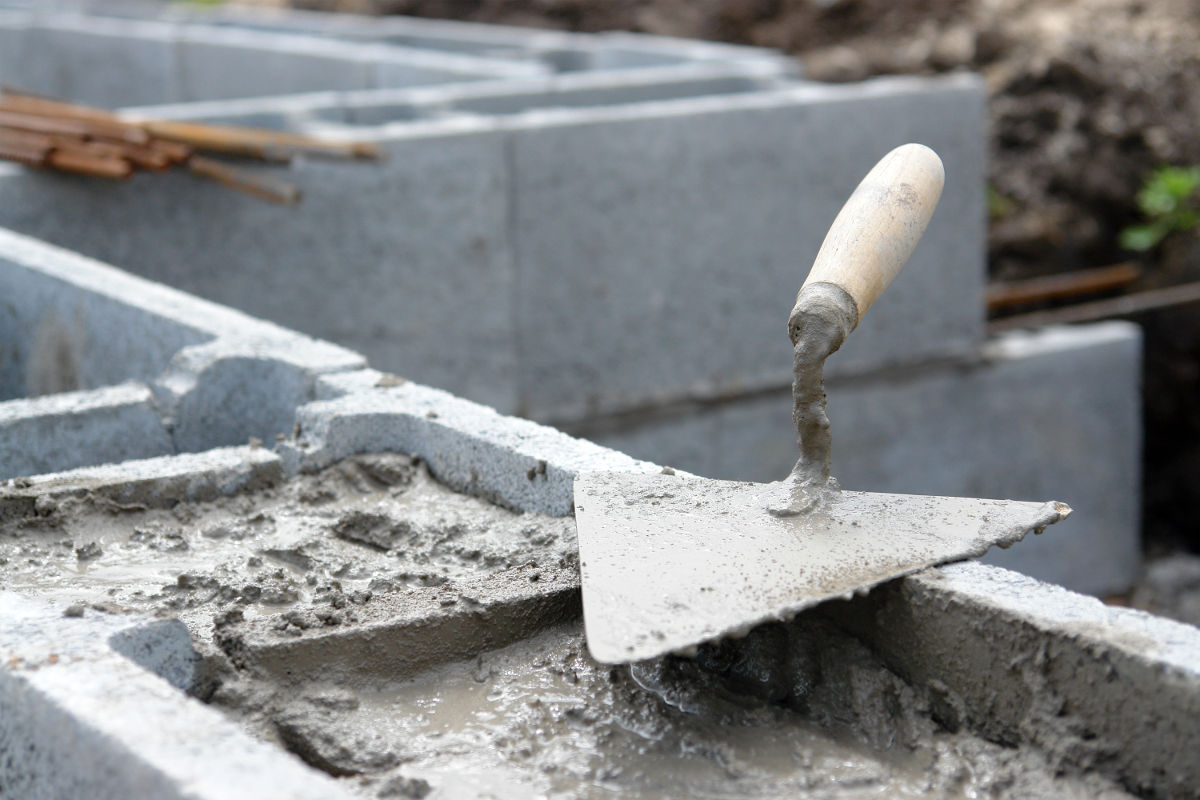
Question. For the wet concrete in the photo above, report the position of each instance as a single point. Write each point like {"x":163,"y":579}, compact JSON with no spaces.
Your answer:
{"x":305,"y":553}
{"x":412,"y":641}
{"x":540,"y":718}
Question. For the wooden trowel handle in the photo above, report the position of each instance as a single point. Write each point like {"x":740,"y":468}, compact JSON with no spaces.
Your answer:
{"x":879,"y":226}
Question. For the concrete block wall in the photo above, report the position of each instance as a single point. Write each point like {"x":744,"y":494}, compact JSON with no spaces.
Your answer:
{"x":639,"y":224}
{"x":99,"y":366}
{"x":112,"y":63}
{"x":557,"y":51}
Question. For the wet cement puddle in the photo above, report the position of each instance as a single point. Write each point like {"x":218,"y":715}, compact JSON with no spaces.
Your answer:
{"x":306,"y":571}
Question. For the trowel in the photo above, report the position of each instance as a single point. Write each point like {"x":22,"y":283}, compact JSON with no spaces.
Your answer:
{"x":671,"y":561}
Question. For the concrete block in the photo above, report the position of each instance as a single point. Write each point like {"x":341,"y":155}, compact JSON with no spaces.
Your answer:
{"x":239,"y":388}
{"x":660,"y":248}
{"x":68,"y":430}
{"x":84,"y":718}
{"x":557,"y":51}
{"x":513,"y":462}
{"x":401,"y":634}
{"x":1052,"y":415}
{"x":100,"y":62}
{"x":150,"y":483}
{"x":218,"y":64}
{"x":219,"y":377}
{"x":69,"y":323}
{"x":1024,"y":661}
{"x":419,"y":248}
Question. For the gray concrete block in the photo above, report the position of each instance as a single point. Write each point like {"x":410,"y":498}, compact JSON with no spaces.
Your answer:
{"x":1023,"y":661}
{"x":1053,"y":415}
{"x":408,"y":263}
{"x":530,"y":47}
{"x":150,"y":483}
{"x":100,"y":62}
{"x":68,"y":322}
{"x":660,"y":249}
{"x":219,"y":377}
{"x":63,"y":431}
{"x":233,"y":390}
{"x":216,"y":64}
{"x":513,"y":462}
{"x":84,"y":719}
{"x":399,"y":635}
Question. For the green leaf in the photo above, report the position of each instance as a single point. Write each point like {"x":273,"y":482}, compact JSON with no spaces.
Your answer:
{"x":1141,"y":237}
{"x":1180,"y":182}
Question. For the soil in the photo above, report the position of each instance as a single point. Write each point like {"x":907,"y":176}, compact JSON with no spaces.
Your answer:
{"x":1087,"y":97}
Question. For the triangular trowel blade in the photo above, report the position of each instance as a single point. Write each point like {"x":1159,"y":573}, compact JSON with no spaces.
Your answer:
{"x":672,"y":561}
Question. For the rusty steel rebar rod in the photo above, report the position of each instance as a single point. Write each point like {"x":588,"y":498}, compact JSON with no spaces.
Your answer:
{"x":254,"y":142}
{"x":1056,"y":287}
{"x":1126,"y":306}
{"x":51,"y":134}
{"x":260,"y":186}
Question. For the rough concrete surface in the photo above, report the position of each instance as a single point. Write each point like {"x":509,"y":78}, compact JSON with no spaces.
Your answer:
{"x":1112,"y":688}
{"x":470,"y":447}
{"x":352,"y":615}
{"x":86,"y":714}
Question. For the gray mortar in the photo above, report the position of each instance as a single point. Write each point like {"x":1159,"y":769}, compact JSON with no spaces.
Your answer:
{"x":351,"y":615}
{"x":314,"y":552}
{"x":1114,"y":690}
{"x":540,"y":718}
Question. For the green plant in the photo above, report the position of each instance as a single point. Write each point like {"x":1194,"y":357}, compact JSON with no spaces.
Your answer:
{"x":1168,"y":203}
{"x":999,"y":206}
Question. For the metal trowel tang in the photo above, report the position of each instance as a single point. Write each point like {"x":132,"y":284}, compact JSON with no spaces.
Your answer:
{"x":672,"y":561}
